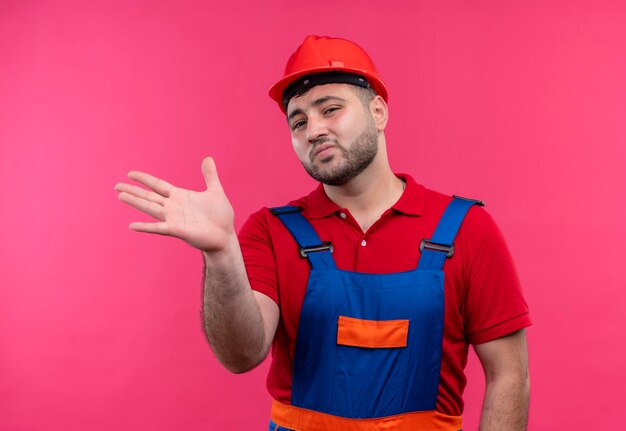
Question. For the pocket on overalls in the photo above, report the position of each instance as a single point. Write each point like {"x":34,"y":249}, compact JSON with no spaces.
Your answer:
{"x":370,"y":367}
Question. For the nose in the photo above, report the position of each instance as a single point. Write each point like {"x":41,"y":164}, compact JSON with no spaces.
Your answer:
{"x":315,"y":129}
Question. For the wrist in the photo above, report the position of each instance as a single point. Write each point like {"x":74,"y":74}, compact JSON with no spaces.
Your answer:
{"x":223,"y":256}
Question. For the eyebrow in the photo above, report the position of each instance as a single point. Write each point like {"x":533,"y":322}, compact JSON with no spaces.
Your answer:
{"x":316,"y":102}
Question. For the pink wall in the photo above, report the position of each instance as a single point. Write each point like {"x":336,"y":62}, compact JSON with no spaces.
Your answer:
{"x":522,"y":104}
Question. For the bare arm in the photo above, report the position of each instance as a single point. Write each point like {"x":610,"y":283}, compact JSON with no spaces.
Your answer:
{"x":239,"y":323}
{"x":505,"y":362}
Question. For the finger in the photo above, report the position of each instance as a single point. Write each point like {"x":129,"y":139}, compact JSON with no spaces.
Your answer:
{"x":140,"y":193}
{"x":150,"y":208}
{"x":158,"y":228}
{"x":209,"y":171}
{"x":158,"y":185}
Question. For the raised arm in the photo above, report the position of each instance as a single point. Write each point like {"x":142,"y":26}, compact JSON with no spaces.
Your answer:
{"x":505,"y":362}
{"x":239,"y":323}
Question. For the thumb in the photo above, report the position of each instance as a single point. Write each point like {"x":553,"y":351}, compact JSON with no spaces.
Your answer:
{"x":210,"y":173}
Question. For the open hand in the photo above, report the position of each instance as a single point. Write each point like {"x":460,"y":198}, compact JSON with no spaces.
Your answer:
{"x":202,"y":219}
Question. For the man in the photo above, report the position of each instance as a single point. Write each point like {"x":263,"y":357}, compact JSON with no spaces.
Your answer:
{"x":370,"y":288}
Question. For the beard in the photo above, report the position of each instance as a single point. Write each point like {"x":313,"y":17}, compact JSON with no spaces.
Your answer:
{"x":356,"y":159}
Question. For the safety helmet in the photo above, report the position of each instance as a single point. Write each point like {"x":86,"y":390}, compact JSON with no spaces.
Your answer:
{"x":318,"y":54}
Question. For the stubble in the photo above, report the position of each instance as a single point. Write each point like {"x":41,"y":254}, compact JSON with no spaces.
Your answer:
{"x":355,"y":159}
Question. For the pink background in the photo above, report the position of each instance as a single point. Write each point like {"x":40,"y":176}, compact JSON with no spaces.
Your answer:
{"x":521,"y":104}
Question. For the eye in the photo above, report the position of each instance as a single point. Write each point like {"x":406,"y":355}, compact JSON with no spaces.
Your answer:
{"x":330,"y":109}
{"x":298,"y":124}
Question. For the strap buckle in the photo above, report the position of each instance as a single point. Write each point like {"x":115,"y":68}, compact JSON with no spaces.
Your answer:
{"x":326,"y":245}
{"x":429,"y":245}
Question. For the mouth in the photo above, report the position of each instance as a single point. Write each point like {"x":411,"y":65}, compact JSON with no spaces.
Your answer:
{"x":322,"y":150}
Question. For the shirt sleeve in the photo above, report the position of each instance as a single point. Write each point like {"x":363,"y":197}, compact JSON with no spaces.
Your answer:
{"x":258,"y":255}
{"x":494,"y":305}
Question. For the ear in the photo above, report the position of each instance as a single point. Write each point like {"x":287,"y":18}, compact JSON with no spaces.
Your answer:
{"x":380,"y":112}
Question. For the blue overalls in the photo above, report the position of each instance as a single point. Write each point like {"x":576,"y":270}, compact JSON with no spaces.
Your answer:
{"x":368,"y":352}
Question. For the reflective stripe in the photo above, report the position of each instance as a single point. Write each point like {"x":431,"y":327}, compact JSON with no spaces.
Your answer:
{"x":372,"y":333}
{"x":308,"y":420}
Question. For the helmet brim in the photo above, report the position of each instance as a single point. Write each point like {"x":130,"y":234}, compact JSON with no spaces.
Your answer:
{"x":277,"y":90}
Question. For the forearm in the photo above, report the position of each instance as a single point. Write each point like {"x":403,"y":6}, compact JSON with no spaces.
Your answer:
{"x":505,"y":406}
{"x":232,"y":317}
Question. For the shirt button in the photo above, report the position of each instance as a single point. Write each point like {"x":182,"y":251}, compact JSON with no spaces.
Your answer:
{"x":363,"y":243}
{"x":342,"y":215}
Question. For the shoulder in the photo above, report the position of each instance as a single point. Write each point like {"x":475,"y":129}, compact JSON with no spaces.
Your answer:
{"x":264,"y":225}
{"x":478,"y":234}
{"x":476,"y":222}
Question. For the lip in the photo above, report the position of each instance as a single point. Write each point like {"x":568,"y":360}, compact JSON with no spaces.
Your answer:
{"x":322,"y":148}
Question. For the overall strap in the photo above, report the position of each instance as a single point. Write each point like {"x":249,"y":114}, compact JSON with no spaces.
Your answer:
{"x":441,"y":245}
{"x":318,"y":252}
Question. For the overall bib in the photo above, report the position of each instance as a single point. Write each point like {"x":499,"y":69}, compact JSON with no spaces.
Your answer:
{"x":368,"y":352}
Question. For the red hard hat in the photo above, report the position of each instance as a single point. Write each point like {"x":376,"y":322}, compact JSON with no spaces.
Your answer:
{"x":325,"y":54}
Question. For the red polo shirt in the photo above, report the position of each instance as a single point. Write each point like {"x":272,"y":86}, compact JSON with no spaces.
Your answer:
{"x":483,"y":298}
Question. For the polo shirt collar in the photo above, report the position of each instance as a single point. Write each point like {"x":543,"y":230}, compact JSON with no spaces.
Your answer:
{"x":411,"y":202}
{"x":413,"y":199}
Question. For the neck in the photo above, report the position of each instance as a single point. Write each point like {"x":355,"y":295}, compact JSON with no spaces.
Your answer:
{"x":368,"y":195}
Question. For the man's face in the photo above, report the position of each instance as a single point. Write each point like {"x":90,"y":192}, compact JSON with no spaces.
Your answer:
{"x":332,"y":132}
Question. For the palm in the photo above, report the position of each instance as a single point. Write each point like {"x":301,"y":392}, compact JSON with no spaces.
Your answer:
{"x":203,"y":219}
